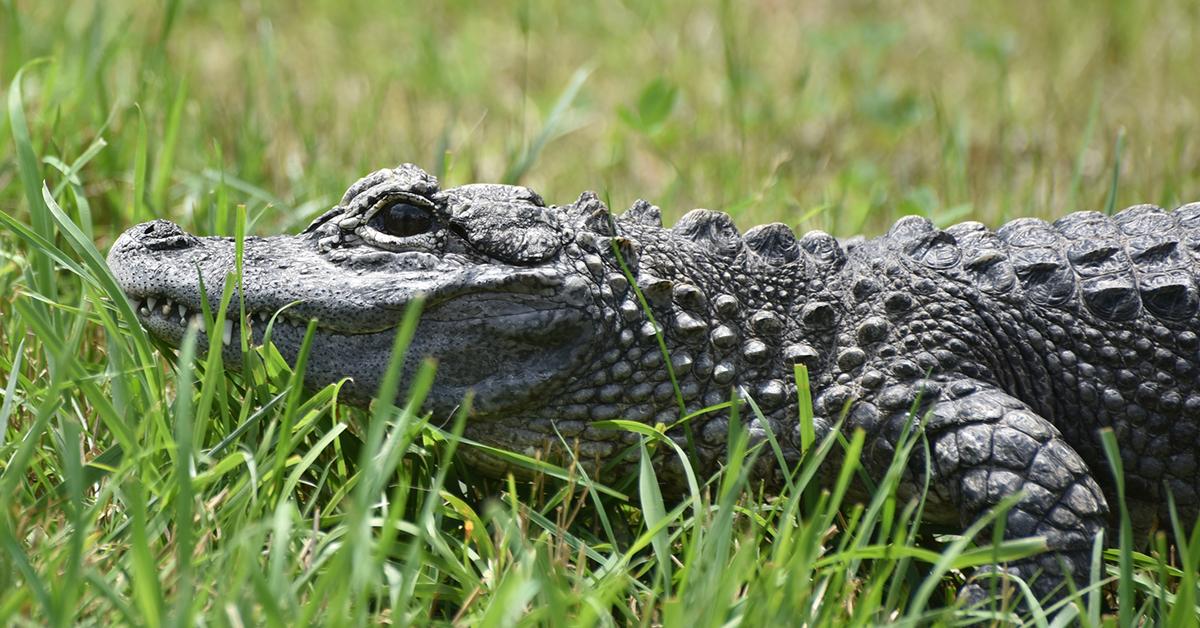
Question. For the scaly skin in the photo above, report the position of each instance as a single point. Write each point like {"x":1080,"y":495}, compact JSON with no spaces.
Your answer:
{"x":1016,"y":344}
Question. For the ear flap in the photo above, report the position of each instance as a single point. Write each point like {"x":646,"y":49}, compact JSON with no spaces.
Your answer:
{"x":513,"y":232}
{"x":507,"y":222}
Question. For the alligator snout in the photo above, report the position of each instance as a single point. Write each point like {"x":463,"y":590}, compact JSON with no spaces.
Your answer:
{"x":156,"y":235}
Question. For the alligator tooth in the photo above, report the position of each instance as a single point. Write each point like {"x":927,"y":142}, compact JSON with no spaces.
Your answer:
{"x":227,"y":332}
{"x":151,"y":302}
{"x":166,"y":308}
{"x":182,"y":311}
{"x":264,"y":316}
{"x":137,"y":305}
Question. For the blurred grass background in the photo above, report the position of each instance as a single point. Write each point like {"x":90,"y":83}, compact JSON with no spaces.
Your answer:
{"x":833,"y":115}
{"x":836,"y":115}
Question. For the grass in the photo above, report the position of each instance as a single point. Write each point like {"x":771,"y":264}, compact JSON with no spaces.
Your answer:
{"x":246,"y":501}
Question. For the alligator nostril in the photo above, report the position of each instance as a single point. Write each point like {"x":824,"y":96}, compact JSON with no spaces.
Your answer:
{"x":161,"y":234}
{"x":161,"y":229}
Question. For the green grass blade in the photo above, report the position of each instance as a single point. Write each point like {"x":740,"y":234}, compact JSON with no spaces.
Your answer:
{"x":147,"y":593}
{"x":31,"y":180}
{"x":10,"y":390}
{"x":1125,"y":541}
{"x":808,"y":432}
{"x":184,"y":464}
{"x":655,"y":514}
{"x":1110,"y":206}
{"x":100,"y":272}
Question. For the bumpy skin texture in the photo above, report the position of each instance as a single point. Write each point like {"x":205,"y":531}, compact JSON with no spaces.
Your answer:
{"x":1016,"y":344}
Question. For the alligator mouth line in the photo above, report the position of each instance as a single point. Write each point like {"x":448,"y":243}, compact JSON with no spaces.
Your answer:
{"x":165,"y":311}
{"x":171,"y":312}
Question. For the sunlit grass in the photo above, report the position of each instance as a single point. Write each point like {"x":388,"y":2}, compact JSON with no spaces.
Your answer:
{"x":247,"y":501}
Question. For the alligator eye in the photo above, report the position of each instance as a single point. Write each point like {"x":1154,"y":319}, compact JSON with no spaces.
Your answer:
{"x":402,"y":220}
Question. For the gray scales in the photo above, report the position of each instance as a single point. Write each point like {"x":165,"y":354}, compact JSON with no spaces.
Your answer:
{"x":1018,"y":344}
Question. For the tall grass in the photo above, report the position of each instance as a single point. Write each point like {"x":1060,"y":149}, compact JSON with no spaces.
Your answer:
{"x":145,"y":486}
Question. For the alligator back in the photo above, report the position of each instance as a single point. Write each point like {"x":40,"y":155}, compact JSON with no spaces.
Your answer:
{"x":1092,"y":320}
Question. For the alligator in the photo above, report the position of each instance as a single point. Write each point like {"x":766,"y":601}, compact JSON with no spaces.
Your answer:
{"x":1014,"y":346}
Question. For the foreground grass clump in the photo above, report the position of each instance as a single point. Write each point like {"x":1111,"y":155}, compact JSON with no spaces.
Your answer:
{"x":242,"y":498}
{"x":144,"y":487}
{"x":144,"y":494}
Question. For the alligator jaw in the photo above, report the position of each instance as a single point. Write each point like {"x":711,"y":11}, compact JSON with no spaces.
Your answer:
{"x":488,"y":326}
{"x":169,"y":319}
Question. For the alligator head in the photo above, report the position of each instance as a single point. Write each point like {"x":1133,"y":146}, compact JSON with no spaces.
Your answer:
{"x":506,"y":313}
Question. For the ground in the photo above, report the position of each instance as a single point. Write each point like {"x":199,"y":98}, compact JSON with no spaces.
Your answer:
{"x":127,"y":502}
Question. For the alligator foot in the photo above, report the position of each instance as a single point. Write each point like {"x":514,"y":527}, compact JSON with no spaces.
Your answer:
{"x":986,"y":446}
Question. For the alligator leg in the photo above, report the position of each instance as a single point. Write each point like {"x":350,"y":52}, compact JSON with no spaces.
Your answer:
{"x":987,"y":445}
